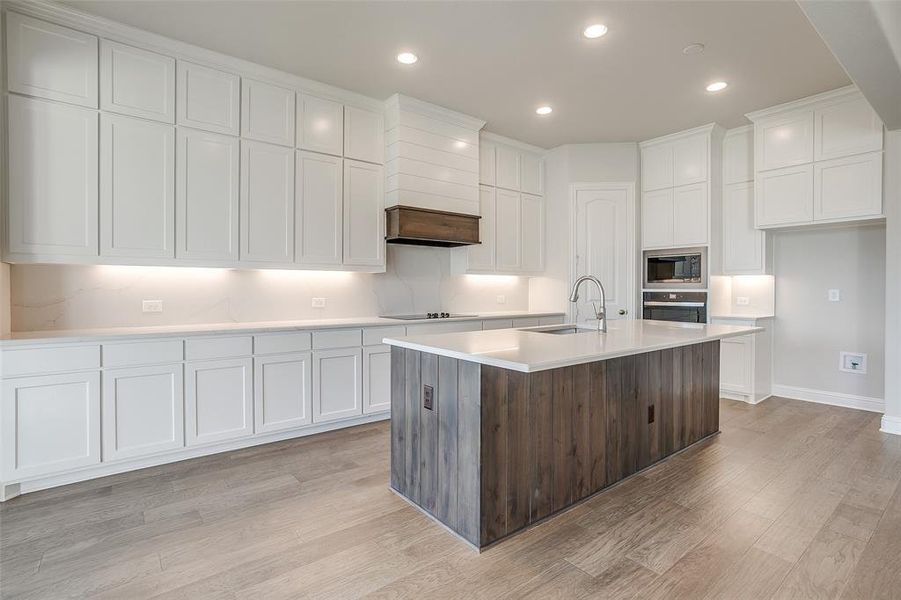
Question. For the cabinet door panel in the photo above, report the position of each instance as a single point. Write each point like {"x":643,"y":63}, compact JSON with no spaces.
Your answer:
{"x":738,"y":157}
{"x":53,"y":191}
{"x":318,"y":209}
{"x":532,"y":176}
{"x":207,"y":195}
{"x":509,"y":231}
{"x":320,"y":125}
{"x":481,"y":256}
{"x":784,"y":196}
{"x":507,"y":169}
{"x":532,"y":243}
{"x":49,"y":424}
{"x":735,"y":365}
{"x":690,"y":160}
{"x":656,"y":167}
{"x":143,"y":411}
{"x":218,"y":401}
{"x":49,"y":61}
{"x":208,"y":99}
{"x":743,"y":245}
{"x":848,"y":187}
{"x":657,"y":219}
{"x":376,"y":379}
{"x":136,"y":82}
{"x":783,"y":141}
{"x":690,"y":215}
{"x":137,"y":189}
{"x":337,"y":384}
{"x":846,"y":128}
{"x":487,"y":163}
{"x":282,"y":391}
{"x":364,"y":214}
{"x":267,"y":202}
{"x":364,"y":135}
{"x":267,"y":113}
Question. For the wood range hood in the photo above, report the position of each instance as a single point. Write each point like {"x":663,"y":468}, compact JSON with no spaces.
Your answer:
{"x":414,"y":226}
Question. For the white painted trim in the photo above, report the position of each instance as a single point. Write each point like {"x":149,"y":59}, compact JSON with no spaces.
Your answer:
{"x":499,"y":139}
{"x":118,"y":32}
{"x":831,"y":398}
{"x":891,"y":425}
{"x":632,"y":240}
{"x":740,"y":130}
{"x":104,"y":469}
{"x":803,"y":103}
{"x":671,"y":137}
{"x":407,"y":103}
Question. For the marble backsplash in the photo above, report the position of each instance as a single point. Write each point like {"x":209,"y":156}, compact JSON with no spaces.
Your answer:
{"x":418,"y":279}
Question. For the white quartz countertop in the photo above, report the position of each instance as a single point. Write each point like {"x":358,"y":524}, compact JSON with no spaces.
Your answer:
{"x":530,"y":350}
{"x":120,"y":333}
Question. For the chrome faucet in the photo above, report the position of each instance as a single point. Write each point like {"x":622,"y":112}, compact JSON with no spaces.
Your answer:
{"x":600,"y":314}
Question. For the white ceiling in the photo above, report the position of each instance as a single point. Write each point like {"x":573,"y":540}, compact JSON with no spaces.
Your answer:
{"x":500,"y":60}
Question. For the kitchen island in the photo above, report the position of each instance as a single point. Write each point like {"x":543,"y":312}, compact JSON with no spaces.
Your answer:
{"x":493,"y":431}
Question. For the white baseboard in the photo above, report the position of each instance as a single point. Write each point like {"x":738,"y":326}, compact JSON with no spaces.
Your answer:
{"x":832,"y":398}
{"x":891,"y":425}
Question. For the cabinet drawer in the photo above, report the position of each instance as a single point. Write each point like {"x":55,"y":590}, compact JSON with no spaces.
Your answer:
{"x":32,"y":361}
{"x":218,"y":347}
{"x":337,"y":338}
{"x":142,"y":353}
{"x":375,"y":335}
{"x":276,"y":343}
{"x":525,"y":322}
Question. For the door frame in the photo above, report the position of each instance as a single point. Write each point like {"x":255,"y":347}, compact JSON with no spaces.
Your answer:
{"x":631,"y":237}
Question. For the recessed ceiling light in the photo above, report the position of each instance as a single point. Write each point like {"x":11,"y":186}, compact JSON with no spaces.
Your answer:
{"x":717,"y":86}
{"x":693,"y":49}
{"x":544,"y":110}
{"x":595,"y":31}
{"x":407,"y":58}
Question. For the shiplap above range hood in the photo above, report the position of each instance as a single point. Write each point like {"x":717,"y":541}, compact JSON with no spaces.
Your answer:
{"x":432,"y":174}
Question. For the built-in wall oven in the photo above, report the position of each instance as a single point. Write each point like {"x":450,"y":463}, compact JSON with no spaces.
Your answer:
{"x":687,"y":307}
{"x":684,"y":268}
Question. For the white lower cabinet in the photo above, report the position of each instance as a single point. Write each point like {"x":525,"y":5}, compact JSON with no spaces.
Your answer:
{"x":218,"y":400}
{"x":282,"y":391}
{"x":143,"y":411}
{"x":497,"y":324}
{"x":49,"y":424}
{"x":376,"y":379}
{"x":337,"y":384}
{"x":746,"y":362}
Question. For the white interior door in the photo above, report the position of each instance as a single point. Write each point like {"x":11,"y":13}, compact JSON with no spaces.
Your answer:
{"x":604,"y":246}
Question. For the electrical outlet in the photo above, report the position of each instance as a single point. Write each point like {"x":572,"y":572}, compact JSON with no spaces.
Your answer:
{"x":852,"y":362}
{"x":501,"y":299}
{"x":835,"y":295}
{"x":152,"y":306}
{"x":428,"y":397}
{"x":742,"y":301}
{"x":319,"y":302}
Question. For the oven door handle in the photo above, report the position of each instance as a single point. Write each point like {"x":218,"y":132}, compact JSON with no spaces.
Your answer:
{"x":690,"y":304}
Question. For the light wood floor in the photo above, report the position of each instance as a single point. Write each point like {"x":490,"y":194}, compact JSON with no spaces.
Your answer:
{"x":792,"y":500}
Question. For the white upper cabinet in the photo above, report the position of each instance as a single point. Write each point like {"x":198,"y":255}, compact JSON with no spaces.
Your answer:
{"x":53,"y":191}
{"x":267,"y":113}
{"x":206,"y":198}
{"x":531,"y":174}
{"x":743,"y":245}
{"x":738,"y":156}
{"x":784,"y":196}
{"x":267,"y":202}
{"x":657,"y":219}
{"x":487,"y":163}
{"x":481,"y":256}
{"x":690,"y":215}
{"x":845,"y":128}
{"x":320,"y":124}
{"x":532,"y":235}
{"x":690,"y":160}
{"x":49,"y":61}
{"x":137,"y":82}
{"x":507,"y":169}
{"x":784,"y":140}
{"x":318,"y":209}
{"x":137,"y":188}
{"x":364,"y":134}
{"x":208,"y":99}
{"x":656,"y":167}
{"x":847,"y":187}
{"x":509,"y":231}
{"x":364,"y":214}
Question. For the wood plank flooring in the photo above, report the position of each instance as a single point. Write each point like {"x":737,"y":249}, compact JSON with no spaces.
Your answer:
{"x":792,"y":500}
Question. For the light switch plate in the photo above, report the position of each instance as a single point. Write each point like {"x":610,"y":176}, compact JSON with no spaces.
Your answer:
{"x":501,"y":299}
{"x":152,"y":306}
{"x":319,"y":302}
{"x":742,"y":301}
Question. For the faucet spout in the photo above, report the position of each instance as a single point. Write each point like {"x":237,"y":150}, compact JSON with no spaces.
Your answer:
{"x":599,"y":313}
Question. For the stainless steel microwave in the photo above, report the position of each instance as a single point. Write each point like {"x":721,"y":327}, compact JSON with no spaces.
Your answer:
{"x":685,"y":268}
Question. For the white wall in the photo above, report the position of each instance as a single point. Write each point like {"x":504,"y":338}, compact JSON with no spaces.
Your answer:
{"x":418,"y":280}
{"x":892,"y":188}
{"x":565,"y":165}
{"x":809,"y":331}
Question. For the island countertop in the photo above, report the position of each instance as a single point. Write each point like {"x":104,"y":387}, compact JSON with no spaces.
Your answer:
{"x":529,"y":350}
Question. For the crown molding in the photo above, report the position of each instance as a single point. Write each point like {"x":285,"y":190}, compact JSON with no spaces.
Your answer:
{"x":408,"y":103}
{"x":499,"y":139}
{"x":805,"y":103}
{"x":708,"y":129}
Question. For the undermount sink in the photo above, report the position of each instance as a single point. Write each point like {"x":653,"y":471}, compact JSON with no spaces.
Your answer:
{"x":564,"y":330}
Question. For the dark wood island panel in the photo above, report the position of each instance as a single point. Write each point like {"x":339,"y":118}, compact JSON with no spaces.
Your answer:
{"x":500,"y":450}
